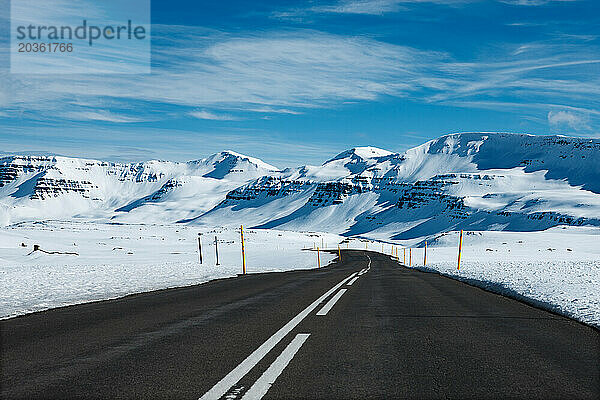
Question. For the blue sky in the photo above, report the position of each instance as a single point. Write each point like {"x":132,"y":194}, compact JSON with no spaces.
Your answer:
{"x":295,"y":82}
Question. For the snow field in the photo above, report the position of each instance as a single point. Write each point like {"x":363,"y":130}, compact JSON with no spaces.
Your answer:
{"x":557,"y":269}
{"x":118,"y":260}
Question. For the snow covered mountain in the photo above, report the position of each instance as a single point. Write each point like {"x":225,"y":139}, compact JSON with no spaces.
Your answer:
{"x":37,"y":188}
{"x":474,"y":181}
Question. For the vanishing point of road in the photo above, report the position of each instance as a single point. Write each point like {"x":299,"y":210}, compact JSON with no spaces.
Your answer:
{"x":365,"y":327}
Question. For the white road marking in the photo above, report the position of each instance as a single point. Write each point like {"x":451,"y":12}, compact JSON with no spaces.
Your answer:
{"x":367,"y":268}
{"x":217,"y":391}
{"x":352,"y":281}
{"x":268,"y":378}
{"x":329,"y":305}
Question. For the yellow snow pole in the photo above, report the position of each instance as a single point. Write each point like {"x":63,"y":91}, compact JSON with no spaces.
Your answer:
{"x":425,"y":255}
{"x":243,"y":250}
{"x":318,"y":258}
{"x":339,"y":253}
{"x":460,"y":248}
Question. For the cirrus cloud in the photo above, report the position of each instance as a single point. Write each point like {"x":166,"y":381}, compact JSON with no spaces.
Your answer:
{"x":565,"y":118}
{"x":211,"y":75}
{"x":203,"y":114}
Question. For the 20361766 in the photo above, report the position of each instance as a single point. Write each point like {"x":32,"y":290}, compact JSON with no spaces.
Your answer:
{"x":42,"y":47}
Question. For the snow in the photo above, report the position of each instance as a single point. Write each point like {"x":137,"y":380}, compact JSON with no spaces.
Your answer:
{"x":480,"y":181}
{"x":48,"y":187}
{"x":557,"y":269}
{"x":116,"y":260}
{"x":135,"y":225}
{"x":233,"y":165}
{"x":353,"y":161}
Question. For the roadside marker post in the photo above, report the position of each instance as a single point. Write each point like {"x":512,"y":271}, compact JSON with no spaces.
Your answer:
{"x":243,"y":250}
{"x":318,"y":258}
{"x":217,"y":250}
{"x":339,"y":253}
{"x":460,"y":248}
{"x":404,"y":258}
{"x":425,"y":255}
{"x":200,"y":246}
{"x":410,"y":257}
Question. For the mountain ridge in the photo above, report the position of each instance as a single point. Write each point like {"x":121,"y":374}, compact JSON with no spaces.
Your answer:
{"x":478,"y":181}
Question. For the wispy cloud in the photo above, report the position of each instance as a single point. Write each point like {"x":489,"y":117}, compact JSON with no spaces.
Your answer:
{"x":203,"y":114}
{"x":223,"y":77}
{"x":534,"y":2}
{"x":380,"y":7}
{"x":100,"y":115}
{"x":372,"y":7}
{"x":272,"y":110}
{"x":266,"y":72}
{"x":560,"y":119}
{"x":364,"y":7}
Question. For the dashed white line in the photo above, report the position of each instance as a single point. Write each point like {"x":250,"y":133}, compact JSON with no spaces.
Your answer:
{"x":352,"y":281}
{"x":245,"y":366}
{"x":367,"y":268}
{"x":329,"y":305}
{"x":268,"y":378}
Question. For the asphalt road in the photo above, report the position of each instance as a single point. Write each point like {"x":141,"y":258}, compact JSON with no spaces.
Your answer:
{"x":391,"y":333}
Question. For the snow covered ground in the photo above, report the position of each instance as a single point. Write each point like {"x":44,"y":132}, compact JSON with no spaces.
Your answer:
{"x":115,"y":260}
{"x":557,"y":269}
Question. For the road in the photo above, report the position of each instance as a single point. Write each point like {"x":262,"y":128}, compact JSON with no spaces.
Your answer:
{"x":390,"y":332}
